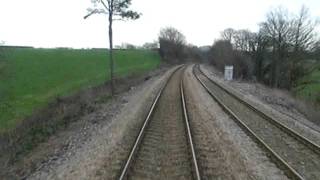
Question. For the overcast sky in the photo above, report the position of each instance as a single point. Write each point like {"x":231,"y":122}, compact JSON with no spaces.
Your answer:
{"x":60,"y":23}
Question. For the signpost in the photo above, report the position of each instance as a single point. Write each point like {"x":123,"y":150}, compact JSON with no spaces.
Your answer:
{"x":228,"y":73}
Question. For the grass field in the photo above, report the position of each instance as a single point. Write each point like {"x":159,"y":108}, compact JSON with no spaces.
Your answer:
{"x":34,"y":77}
{"x":309,"y":86}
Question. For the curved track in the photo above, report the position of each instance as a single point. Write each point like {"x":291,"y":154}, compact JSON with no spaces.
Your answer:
{"x":164,"y":147}
{"x":295,"y":154}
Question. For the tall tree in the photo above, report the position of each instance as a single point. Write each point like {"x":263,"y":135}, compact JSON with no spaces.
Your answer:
{"x":277,"y":28}
{"x":173,"y":35}
{"x":228,"y":34}
{"x":243,"y":40}
{"x":259,"y":48}
{"x":303,"y":40}
{"x":115,"y":10}
{"x":172,"y":44}
{"x":303,"y":28}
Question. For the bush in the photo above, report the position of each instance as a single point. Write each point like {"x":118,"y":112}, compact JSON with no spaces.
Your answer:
{"x":222,"y":54}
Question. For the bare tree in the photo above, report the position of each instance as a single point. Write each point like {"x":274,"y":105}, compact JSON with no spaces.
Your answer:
{"x":280,"y":49}
{"x":173,"y":35}
{"x":303,"y":27}
{"x":222,"y":53}
{"x":228,"y":34}
{"x":277,"y":28}
{"x":172,"y":43}
{"x":116,"y":10}
{"x":259,"y":48}
{"x":243,"y":40}
{"x":303,"y":39}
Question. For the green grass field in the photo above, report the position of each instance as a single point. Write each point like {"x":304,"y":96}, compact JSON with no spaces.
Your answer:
{"x":34,"y":77}
{"x":309,"y":86}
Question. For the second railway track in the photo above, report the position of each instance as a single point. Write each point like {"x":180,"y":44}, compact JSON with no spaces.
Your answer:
{"x":295,"y":154}
{"x":164,"y":147}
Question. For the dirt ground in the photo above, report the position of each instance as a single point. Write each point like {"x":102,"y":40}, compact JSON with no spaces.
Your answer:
{"x":276,"y":103}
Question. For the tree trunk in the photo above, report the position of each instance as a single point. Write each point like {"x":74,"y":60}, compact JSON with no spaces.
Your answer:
{"x":258,"y":64}
{"x":273,"y":66}
{"x":111,"y":55}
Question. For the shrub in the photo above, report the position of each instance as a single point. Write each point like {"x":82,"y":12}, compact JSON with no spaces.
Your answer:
{"x":222,"y":54}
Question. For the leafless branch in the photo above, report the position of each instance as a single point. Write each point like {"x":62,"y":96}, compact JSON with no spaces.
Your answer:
{"x":104,"y":4}
{"x":90,"y":13}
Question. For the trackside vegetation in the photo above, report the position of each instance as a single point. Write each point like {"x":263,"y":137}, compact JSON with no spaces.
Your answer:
{"x":309,"y":86}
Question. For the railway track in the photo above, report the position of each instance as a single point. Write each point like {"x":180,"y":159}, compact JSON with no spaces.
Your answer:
{"x":164,"y":147}
{"x":293,"y":153}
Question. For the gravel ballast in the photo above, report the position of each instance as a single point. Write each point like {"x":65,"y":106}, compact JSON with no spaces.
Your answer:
{"x":233,"y":154}
{"x":299,"y":156}
{"x":164,"y":151}
{"x":256,"y":94}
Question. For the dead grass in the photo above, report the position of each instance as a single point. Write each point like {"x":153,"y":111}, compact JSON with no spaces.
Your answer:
{"x":310,"y":110}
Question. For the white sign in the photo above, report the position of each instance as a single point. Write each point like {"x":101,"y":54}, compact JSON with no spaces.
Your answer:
{"x":228,"y":73}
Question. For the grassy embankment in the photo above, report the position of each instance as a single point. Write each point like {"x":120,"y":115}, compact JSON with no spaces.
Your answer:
{"x":309,"y":86}
{"x":35,"y":77}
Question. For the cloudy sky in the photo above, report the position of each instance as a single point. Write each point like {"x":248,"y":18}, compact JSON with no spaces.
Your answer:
{"x":60,"y":23}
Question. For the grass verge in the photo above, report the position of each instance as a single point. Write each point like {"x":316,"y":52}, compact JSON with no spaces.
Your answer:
{"x":308,"y":92}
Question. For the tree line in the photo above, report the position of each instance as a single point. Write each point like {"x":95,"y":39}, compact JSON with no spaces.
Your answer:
{"x":278,"y":54}
{"x":173,"y":47}
{"x":283,"y":50}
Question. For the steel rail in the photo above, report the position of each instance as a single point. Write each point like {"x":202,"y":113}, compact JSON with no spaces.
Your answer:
{"x":291,"y":172}
{"x":194,"y":158}
{"x":139,"y":138}
{"x":312,"y":145}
